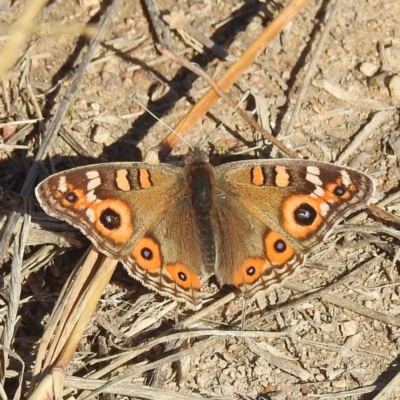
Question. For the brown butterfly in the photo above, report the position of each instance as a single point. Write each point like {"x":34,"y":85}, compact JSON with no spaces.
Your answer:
{"x":249,"y":223}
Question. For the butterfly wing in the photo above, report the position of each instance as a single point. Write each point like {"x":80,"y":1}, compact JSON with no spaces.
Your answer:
{"x":128,"y":211}
{"x":286,"y":208}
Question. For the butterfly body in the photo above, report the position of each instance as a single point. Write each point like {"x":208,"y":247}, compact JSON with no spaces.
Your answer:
{"x":248,"y":222}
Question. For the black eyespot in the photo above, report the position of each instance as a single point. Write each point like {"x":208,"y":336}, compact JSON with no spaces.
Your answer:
{"x":182,"y":276}
{"x":280,"y":246}
{"x":339,"y":191}
{"x":71,"y":197}
{"x":110,"y":219}
{"x":250,"y":271}
{"x":305,"y":214}
{"x":146,"y":253}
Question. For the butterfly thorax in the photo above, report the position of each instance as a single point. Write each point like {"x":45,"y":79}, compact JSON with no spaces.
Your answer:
{"x":200,"y":185}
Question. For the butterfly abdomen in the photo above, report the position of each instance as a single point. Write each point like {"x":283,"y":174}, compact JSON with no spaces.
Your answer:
{"x":200,"y":183}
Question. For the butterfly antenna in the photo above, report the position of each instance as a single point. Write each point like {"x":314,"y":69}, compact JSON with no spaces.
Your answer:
{"x":162,"y":122}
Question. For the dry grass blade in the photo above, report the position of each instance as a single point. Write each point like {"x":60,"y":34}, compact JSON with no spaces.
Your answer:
{"x":134,"y":391}
{"x":311,"y":68}
{"x":21,"y":372}
{"x":51,"y":28}
{"x":278,"y":362}
{"x":51,"y":386}
{"x":175,"y":357}
{"x":378,"y":119}
{"x":11,"y":50}
{"x":388,"y":391}
{"x":15,"y":285}
{"x":384,"y":214}
{"x":73,"y":310}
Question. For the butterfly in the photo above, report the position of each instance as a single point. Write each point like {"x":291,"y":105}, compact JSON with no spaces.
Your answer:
{"x":250,"y":223}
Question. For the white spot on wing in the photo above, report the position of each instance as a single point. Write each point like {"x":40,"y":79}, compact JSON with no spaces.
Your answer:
{"x":62,"y":184}
{"x":318,"y":191}
{"x":92,"y":174}
{"x":291,"y":262}
{"x":90,"y":215}
{"x":91,"y":197}
{"x":94,"y":183}
{"x":314,"y":179}
{"x":313,"y":170}
{"x":324,"y":208}
{"x":346,"y":177}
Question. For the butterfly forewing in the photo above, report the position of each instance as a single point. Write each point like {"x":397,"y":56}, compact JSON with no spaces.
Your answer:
{"x":300,"y":200}
{"x":127,"y":211}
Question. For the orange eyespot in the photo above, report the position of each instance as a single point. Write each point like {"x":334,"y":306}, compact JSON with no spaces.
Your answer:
{"x":336,"y":191}
{"x":74,"y":198}
{"x":250,"y":270}
{"x":147,"y":255}
{"x":113,"y":219}
{"x":302,"y":214}
{"x":183,"y":277}
{"x":277,"y":250}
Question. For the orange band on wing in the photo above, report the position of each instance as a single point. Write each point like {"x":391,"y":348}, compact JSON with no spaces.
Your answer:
{"x":145,"y":179}
{"x":282,"y":178}
{"x":122,"y":181}
{"x":257,"y":176}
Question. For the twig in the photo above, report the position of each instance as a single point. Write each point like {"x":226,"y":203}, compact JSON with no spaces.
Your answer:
{"x":359,"y":309}
{"x":161,"y":30}
{"x":279,"y":362}
{"x":177,"y":22}
{"x":348,"y":97}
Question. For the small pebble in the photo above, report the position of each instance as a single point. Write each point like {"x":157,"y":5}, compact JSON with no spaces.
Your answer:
{"x":394,"y":87}
{"x":95,"y":107}
{"x":102,"y":135}
{"x":368,"y":69}
{"x":319,"y":377}
{"x":339,"y":384}
{"x":349,"y":328}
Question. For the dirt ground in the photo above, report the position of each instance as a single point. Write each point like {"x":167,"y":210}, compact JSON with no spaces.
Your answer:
{"x":341,"y":343}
